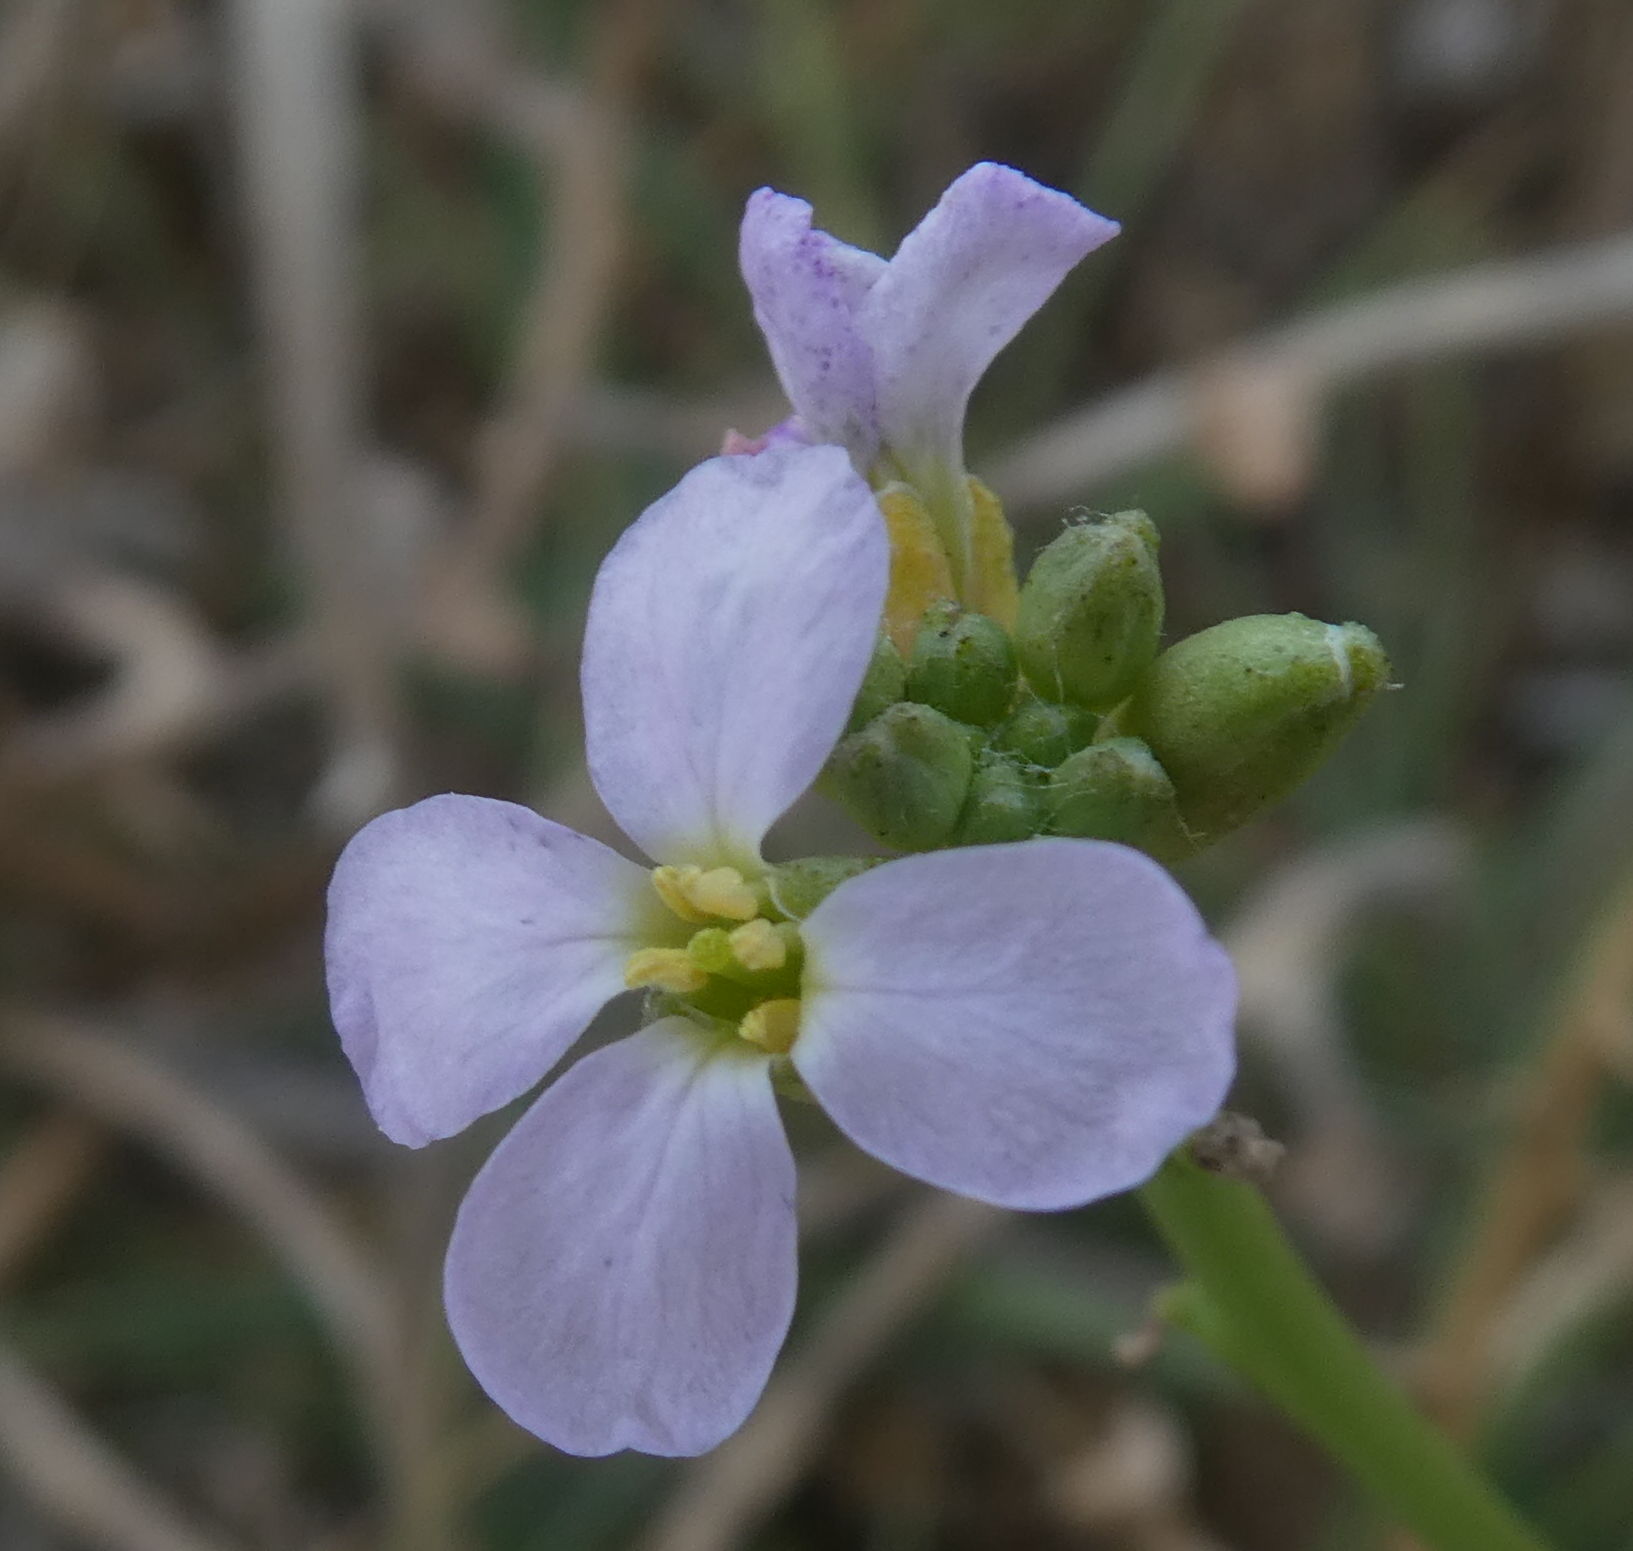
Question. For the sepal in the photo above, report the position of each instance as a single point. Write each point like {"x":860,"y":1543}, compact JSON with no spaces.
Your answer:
{"x":884,"y":683}
{"x":1041,"y":733}
{"x":797,"y":888}
{"x":1002,"y":805}
{"x":905,"y":776}
{"x":1117,"y":790}
{"x":1241,"y":713}
{"x":963,"y":664}
{"x":1090,"y":613}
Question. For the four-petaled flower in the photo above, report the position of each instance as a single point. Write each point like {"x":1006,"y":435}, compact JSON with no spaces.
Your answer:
{"x":880,"y":356}
{"x":1034,"y":1025}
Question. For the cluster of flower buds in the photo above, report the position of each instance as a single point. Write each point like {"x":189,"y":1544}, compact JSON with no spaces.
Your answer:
{"x":1073,"y":721}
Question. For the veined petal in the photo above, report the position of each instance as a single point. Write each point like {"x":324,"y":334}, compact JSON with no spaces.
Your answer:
{"x":1036,"y":1025}
{"x":729,"y":630}
{"x":806,"y":288}
{"x":957,"y":291}
{"x":622,"y":1272}
{"x":469,"y":942}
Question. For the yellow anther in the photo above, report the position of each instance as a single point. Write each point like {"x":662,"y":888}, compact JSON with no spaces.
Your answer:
{"x":758,"y":944}
{"x":773,"y":1026}
{"x":673,"y":886}
{"x":698,"y":895}
{"x":919,"y":571}
{"x":663,"y":969}
{"x":721,"y":891}
{"x":992,"y":589}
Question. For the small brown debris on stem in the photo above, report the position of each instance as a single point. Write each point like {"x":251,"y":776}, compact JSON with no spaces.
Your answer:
{"x":1236,"y":1147}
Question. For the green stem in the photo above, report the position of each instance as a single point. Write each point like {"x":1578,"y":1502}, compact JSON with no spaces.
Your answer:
{"x":1253,"y":1302}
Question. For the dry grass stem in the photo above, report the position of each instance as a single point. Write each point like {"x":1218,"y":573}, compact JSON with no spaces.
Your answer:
{"x":295,"y":93}
{"x":575,"y":137}
{"x":117,"y":1082}
{"x":126,"y":725}
{"x":1585,"y":1274}
{"x":36,"y":47}
{"x":1539,"y":1181}
{"x":74,"y":1480}
{"x":726,"y":1496}
{"x":1490,"y":307}
{"x":39,"y":1177}
{"x":165,"y":672}
{"x":1287,"y":941}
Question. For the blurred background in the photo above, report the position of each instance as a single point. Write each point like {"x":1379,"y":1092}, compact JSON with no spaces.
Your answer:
{"x":338,"y":341}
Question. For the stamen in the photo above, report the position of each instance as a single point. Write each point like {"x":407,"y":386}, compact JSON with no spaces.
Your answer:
{"x":919,"y":572}
{"x":722,"y":892}
{"x":773,"y":1026}
{"x":758,"y":944}
{"x":663,"y":969}
{"x":993,"y":590}
{"x":700,"y":896}
{"x":671,"y":884}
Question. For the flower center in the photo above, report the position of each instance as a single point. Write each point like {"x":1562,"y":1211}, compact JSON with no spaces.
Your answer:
{"x":740,"y":968}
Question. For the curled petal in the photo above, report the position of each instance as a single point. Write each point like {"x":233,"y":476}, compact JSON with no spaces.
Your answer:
{"x":957,"y":291}
{"x":1036,"y":1025}
{"x":622,"y":1272}
{"x":469,"y":942}
{"x":729,"y":630}
{"x":789,"y":432}
{"x":807,"y":287}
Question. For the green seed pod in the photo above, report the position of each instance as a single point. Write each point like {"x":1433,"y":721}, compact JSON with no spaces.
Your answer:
{"x":1041,"y":733}
{"x":963,"y":664}
{"x":797,"y":888}
{"x":1090,"y":614}
{"x":1002,"y":805}
{"x":1117,"y":791}
{"x":884,"y":683}
{"x":905,"y":776}
{"x":1241,"y":713}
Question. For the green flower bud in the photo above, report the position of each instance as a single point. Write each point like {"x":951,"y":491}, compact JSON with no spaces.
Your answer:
{"x":1002,"y":805}
{"x":884,"y":683}
{"x":905,"y":776}
{"x":797,"y":888}
{"x":1041,"y":733}
{"x":1117,"y":791}
{"x":1241,"y":713}
{"x":1090,"y":612}
{"x":963,"y":664}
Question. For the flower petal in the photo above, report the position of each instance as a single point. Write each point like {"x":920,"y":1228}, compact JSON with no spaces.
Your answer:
{"x":622,"y":1272}
{"x":957,"y":291}
{"x":806,"y":288}
{"x":1036,"y":1025}
{"x":469,"y":943}
{"x":789,"y":432}
{"x":729,"y":630}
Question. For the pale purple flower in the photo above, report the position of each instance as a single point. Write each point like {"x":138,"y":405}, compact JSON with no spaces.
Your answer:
{"x":1034,"y":1025}
{"x":880,"y":357}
